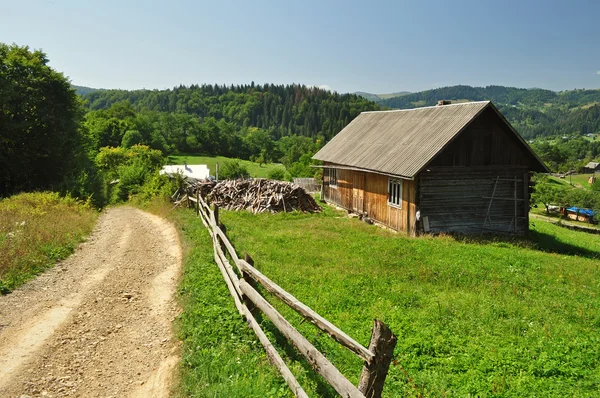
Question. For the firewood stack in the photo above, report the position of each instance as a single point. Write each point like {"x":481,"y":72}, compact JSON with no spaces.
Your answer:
{"x":261,"y":195}
{"x":191,"y":187}
{"x":194,"y":186}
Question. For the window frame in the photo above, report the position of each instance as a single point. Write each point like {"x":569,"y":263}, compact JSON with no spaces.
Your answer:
{"x":332,"y":176}
{"x":395,"y":190}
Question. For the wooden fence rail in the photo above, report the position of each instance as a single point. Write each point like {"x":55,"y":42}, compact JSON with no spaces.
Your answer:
{"x":242,"y":280}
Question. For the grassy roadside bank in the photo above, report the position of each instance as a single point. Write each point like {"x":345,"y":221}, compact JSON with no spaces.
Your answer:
{"x":221,"y":357}
{"x":36,"y":230}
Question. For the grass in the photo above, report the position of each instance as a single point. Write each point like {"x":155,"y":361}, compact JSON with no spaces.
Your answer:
{"x":255,"y":169}
{"x":473,"y":317}
{"x":220,"y":355}
{"x":580,"y":180}
{"x":36,"y":230}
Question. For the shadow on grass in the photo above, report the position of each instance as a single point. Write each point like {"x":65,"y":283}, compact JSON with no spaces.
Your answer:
{"x":550,"y":244}
{"x":536,"y":240}
{"x":322,"y":388}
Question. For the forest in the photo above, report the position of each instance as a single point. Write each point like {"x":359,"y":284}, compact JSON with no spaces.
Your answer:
{"x":55,"y":139}
{"x":535,"y":112}
{"x":53,"y":136}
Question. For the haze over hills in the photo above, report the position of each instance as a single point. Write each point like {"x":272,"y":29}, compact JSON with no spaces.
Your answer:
{"x":380,"y":97}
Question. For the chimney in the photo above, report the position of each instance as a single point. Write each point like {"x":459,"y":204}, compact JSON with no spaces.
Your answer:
{"x":444,"y":102}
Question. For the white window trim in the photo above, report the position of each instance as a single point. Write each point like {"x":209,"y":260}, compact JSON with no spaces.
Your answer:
{"x":399,"y":184}
{"x":332,"y":171}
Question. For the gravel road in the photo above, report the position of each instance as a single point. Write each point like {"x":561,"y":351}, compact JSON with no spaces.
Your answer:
{"x":99,"y":323}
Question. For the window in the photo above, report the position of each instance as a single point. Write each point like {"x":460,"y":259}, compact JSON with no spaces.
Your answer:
{"x":332,"y":178}
{"x":395,"y":193}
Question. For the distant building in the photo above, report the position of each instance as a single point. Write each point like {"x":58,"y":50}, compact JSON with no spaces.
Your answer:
{"x":198,"y":171}
{"x":579,"y":214}
{"x":449,"y":168}
{"x":592,"y":166}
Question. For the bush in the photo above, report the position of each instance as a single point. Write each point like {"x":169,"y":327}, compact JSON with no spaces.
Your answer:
{"x":278,"y":173}
{"x":233,"y":169}
{"x":126,"y":170}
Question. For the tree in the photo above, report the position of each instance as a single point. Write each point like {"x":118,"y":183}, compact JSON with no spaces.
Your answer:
{"x":232,"y":169}
{"x":546,"y":192}
{"x":40,"y":138}
{"x":131,"y":138}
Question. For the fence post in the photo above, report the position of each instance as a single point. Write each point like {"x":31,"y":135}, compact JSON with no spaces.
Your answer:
{"x":250,"y":281}
{"x":216,"y":215}
{"x":197,"y":203}
{"x":373,"y":374}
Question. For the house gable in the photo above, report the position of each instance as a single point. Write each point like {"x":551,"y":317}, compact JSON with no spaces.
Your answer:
{"x":487,"y":141}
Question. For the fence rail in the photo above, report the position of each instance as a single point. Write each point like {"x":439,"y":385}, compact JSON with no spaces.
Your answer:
{"x":242,"y":280}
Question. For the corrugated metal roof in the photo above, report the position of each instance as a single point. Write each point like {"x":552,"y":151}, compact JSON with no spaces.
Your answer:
{"x":400,"y":142}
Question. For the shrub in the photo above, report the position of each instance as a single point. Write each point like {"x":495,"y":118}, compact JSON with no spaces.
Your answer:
{"x":232,"y":169}
{"x":277,"y":173}
{"x":126,"y":170}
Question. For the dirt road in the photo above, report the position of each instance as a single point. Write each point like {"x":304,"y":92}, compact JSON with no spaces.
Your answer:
{"x":99,"y":323}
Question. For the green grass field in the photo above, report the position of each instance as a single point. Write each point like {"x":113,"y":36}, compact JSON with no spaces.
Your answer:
{"x":255,"y":169}
{"x":580,"y":180}
{"x":507,"y":318}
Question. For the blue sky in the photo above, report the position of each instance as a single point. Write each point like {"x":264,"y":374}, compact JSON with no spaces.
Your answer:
{"x":377,"y":46}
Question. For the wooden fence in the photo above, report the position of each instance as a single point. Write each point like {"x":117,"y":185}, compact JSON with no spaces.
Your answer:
{"x":242,"y":280}
{"x":309,"y":184}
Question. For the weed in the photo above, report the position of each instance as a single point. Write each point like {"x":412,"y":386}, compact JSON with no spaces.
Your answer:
{"x":36,"y":230}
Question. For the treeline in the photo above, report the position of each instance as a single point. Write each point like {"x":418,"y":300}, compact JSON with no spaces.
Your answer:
{"x":567,"y":154}
{"x":533,"y":112}
{"x":108,"y":144}
{"x":281,"y":110}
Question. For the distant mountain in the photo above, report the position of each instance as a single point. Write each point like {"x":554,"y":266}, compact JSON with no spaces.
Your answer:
{"x":369,"y":96}
{"x":82,"y":90}
{"x":380,"y":97}
{"x":533,"y":112}
{"x":392,"y":95}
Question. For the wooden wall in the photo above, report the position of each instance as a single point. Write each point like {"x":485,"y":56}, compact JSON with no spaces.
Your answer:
{"x":457,"y":199}
{"x":487,"y":141}
{"x":367,"y":193}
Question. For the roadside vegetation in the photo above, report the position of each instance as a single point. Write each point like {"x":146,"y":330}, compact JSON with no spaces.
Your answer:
{"x":221,"y":357}
{"x":474,"y":317}
{"x":36,"y":230}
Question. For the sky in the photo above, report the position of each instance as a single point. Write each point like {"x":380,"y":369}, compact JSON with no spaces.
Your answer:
{"x":346,"y":46}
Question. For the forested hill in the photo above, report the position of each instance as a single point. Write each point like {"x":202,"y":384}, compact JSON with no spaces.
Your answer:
{"x":533,"y":112}
{"x":281,"y":110}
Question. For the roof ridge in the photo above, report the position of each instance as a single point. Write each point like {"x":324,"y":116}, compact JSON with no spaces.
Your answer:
{"x":429,"y":107}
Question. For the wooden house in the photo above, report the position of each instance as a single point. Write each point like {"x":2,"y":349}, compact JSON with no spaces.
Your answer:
{"x":592,"y":167}
{"x":450,"y":168}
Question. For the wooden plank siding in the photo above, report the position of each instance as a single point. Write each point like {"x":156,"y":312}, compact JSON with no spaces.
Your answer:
{"x":456,"y":199}
{"x":367,"y":194}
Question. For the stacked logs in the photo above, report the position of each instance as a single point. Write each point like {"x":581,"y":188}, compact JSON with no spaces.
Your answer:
{"x":191,"y":187}
{"x":262,"y":195}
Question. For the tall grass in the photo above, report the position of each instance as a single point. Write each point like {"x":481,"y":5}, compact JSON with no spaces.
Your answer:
{"x":36,"y":230}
